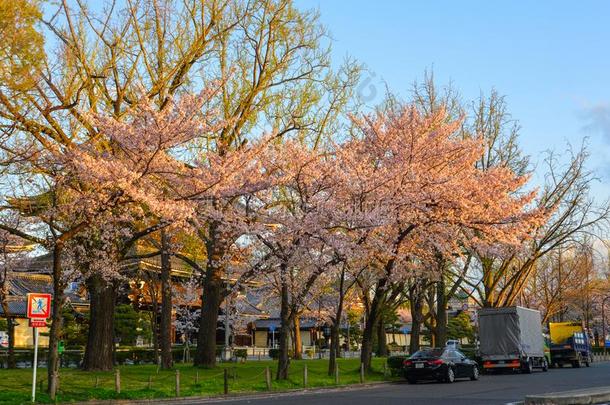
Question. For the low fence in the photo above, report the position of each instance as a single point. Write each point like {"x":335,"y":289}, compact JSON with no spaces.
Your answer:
{"x":128,"y":356}
{"x":146,"y":382}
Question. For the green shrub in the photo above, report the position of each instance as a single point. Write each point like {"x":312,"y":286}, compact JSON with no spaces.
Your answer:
{"x":395,"y":364}
{"x":241,"y":354}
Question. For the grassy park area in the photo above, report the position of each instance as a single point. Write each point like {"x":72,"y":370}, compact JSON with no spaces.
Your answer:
{"x":145,"y":381}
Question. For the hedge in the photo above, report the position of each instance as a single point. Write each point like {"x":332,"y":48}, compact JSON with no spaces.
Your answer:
{"x":395,"y":364}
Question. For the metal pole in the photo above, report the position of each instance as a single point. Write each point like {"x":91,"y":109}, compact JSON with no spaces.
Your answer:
{"x":273,"y":338}
{"x":604,"y":323}
{"x":35,"y":365}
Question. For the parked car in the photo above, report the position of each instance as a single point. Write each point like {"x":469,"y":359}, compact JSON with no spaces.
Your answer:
{"x":443,"y":365}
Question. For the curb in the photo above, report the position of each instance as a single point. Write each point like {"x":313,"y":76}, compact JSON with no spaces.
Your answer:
{"x":234,"y":397}
{"x":576,"y":397}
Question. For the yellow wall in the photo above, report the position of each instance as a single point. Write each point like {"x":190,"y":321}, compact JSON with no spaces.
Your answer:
{"x":24,"y":335}
{"x":260,"y":338}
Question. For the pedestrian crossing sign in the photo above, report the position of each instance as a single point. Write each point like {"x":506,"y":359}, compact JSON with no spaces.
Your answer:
{"x":39,"y":305}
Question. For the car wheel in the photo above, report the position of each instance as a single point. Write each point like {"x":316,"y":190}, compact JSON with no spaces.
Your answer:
{"x":475,"y":373}
{"x":450,"y":376}
{"x":528,"y":367}
{"x":412,"y":380}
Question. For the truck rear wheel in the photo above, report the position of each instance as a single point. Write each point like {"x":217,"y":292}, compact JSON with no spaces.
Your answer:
{"x":528,"y":367}
{"x":578,"y":362}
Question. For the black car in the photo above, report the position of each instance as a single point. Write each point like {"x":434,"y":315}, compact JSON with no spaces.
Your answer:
{"x":439,"y":364}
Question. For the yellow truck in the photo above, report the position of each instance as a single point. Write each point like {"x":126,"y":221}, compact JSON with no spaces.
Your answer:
{"x":569,"y":344}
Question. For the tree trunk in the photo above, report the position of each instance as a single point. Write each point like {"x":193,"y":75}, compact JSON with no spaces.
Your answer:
{"x":10,"y":324}
{"x":382,"y":344}
{"x":100,"y":341}
{"x":441,"y":313}
{"x":416,"y":322}
{"x":155,"y":329}
{"x":205,"y":356}
{"x":284,"y":360}
{"x":56,"y":322}
{"x":369,"y":331}
{"x":211,"y":299}
{"x":335,"y":329}
{"x":298,"y":342}
{"x":166,"y":304}
{"x":10,"y":361}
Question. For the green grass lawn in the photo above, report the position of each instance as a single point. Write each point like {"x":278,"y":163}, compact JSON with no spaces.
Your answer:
{"x":76,"y":385}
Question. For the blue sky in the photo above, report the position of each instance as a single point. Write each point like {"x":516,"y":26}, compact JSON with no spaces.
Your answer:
{"x":550,"y":58}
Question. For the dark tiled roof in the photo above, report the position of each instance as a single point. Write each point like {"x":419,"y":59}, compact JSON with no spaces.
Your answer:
{"x":21,"y":283}
{"x":15,"y":308}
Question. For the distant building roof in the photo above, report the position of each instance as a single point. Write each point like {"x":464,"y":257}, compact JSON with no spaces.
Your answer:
{"x":22,"y":283}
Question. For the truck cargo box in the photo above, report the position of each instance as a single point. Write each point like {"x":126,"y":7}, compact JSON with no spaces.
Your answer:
{"x":561,"y":331}
{"x":509,"y":333}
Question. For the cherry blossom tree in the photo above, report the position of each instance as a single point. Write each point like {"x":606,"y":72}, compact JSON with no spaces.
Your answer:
{"x":416,"y":180}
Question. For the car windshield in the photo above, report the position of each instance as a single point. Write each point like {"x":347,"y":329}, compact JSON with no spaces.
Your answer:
{"x":426,"y":353}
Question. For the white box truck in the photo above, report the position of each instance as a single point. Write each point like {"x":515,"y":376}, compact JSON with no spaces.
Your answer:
{"x":511,"y":338}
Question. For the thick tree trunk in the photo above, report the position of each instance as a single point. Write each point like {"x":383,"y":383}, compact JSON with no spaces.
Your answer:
{"x":367,"y":343}
{"x":441,"y":313}
{"x":56,"y":323}
{"x":416,"y":323}
{"x":284,"y":360}
{"x":334,"y":348}
{"x":382,"y":344}
{"x":100,"y":341}
{"x":211,"y":299}
{"x":205,"y":355}
{"x":369,"y":331}
{"x":298,"y":342}
{"x":166,"y":304}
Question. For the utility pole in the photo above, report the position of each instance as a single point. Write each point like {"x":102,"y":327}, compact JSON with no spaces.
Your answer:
{"x":604,"y":323}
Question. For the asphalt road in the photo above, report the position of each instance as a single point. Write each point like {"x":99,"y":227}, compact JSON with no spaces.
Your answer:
{"x":490,"y":389}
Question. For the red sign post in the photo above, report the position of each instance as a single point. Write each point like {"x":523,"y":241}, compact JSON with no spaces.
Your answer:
{"x":39,"y":309}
